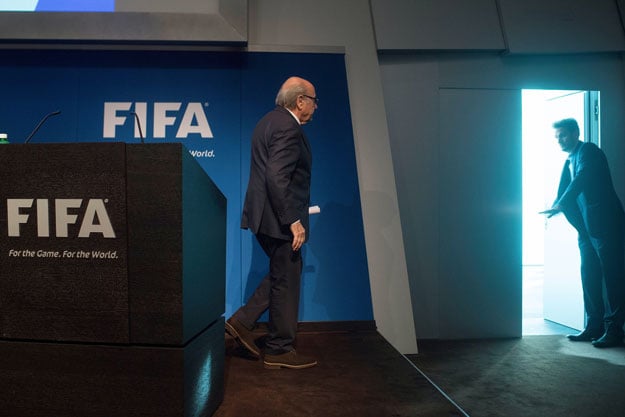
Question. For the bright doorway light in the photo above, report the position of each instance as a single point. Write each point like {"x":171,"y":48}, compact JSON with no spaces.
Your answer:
{"x":542,"y":164}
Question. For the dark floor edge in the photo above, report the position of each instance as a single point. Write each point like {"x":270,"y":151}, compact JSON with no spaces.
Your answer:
{"x":329,"y":326}
{"x":336,"y":326}
{"x":439,"y":389}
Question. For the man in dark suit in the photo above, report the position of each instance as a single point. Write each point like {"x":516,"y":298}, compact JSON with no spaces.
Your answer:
{"x":587,"y":198}
{"x":276,"y":211}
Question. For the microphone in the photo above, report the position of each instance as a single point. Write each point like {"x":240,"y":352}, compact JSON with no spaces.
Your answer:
{"x":47,"y":116}
{"x":138,"y":124}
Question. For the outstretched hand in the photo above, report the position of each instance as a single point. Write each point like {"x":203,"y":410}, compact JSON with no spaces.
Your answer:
{"x":299,"y":235}
{"x":550,"y":212}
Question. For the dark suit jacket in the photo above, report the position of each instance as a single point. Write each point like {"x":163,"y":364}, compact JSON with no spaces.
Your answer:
{"x":589,"y":200}
{"x":278,"y":191}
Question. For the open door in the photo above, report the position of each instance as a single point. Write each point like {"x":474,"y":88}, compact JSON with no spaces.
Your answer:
{"x":562,"y":291}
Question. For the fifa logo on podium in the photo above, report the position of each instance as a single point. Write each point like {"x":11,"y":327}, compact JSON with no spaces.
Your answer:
{"x":95,"y":218}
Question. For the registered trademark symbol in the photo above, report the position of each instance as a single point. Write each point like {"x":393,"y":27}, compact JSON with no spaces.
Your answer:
{"x":106,"y":200}
{"x":206,"y":104}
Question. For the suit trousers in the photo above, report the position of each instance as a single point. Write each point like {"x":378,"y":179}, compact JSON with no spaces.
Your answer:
{"x":603,"y":262}
{"x":279,"y":291}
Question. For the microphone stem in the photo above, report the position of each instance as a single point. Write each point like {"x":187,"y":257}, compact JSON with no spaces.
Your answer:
{"x":46,"y":117}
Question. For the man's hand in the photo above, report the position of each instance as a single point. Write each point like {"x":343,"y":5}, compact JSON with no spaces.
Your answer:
{"x":299,"y":235}
{"x":551,"y":212}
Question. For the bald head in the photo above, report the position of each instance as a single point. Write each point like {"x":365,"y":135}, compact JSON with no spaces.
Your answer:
{"x":298,"y":95}
{"x":291,"y":89}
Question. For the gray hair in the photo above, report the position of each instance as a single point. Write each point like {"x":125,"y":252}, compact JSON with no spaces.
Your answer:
{"x":287,"y":96}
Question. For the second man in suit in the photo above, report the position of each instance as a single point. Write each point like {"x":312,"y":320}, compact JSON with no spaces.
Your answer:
{"x":587,"y":198}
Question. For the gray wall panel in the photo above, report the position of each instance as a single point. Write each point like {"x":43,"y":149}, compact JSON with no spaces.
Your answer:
{"x":562,"y":26}
{"x":480,"y":213}
{"x":203,"y":21}
{"x":411,"y":87}
{"x":437,"y":24}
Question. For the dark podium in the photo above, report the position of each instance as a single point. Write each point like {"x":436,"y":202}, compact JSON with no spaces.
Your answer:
{"x":112,"y":282}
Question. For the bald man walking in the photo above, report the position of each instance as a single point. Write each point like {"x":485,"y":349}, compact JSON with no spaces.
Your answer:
{"x":276,"y":211}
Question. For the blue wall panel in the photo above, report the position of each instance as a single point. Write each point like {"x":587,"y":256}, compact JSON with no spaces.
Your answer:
{"x":228,"y":93}
{"x":75,"y":6}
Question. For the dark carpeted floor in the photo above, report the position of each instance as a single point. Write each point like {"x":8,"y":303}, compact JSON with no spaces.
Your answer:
{"x":535,"y":376}
{"x":359,"y":374}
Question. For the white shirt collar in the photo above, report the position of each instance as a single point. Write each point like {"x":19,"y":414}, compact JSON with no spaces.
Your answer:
{"x":292,"y":114}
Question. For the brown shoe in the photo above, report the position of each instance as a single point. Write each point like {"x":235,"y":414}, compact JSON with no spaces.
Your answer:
{"x":291,"y":360}
{"x":243,"y":335}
